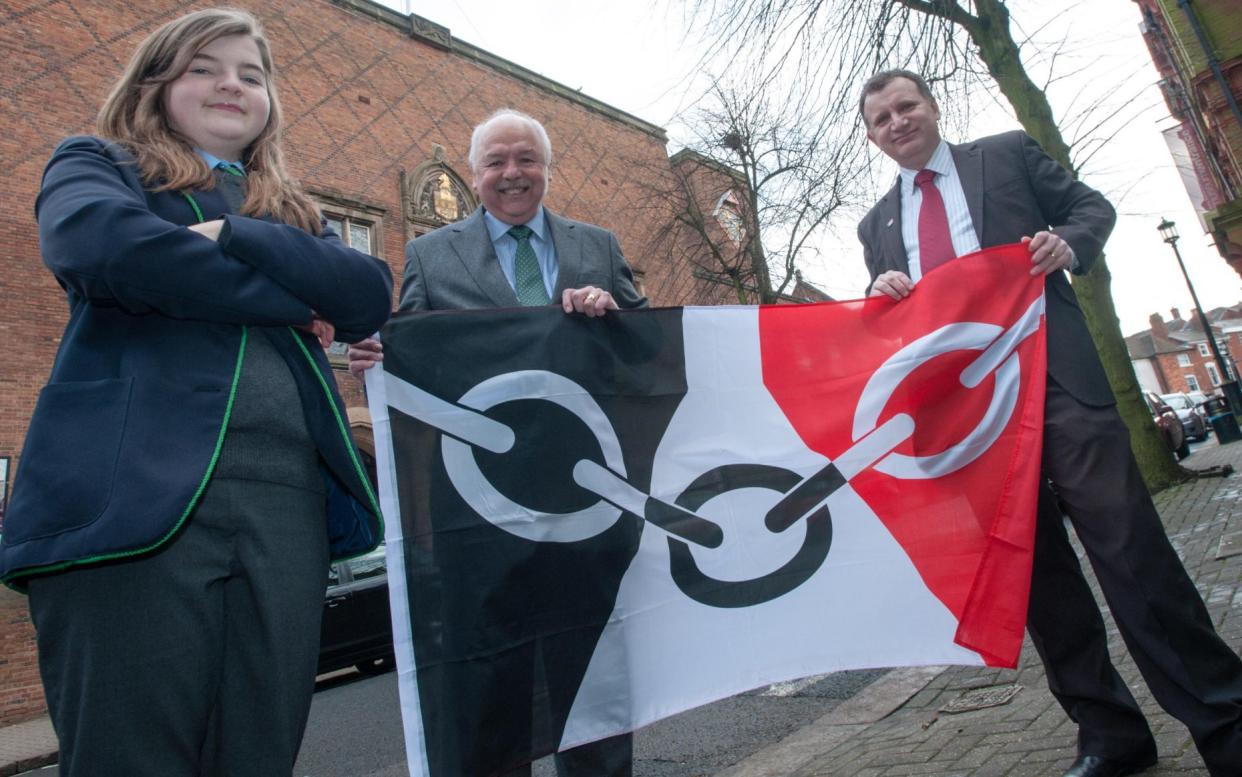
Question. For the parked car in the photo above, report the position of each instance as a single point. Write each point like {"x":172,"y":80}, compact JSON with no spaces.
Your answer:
{"x":1168,"y":424}
{"x":1193,"y":423}
{"x":357,"y":624}
{"x":1199,"y":399}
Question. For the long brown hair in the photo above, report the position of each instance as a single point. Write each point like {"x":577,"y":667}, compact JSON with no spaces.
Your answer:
{"x":133,"y":115}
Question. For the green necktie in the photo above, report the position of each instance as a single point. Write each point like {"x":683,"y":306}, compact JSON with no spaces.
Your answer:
{"x":232,"y":183}
{"x":527,"y":280}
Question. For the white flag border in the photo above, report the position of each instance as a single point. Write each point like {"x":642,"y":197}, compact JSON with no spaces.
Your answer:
{"x":398,"y":595}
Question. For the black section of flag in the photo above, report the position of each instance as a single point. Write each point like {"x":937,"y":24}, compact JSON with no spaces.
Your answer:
{"x":504,"y":627}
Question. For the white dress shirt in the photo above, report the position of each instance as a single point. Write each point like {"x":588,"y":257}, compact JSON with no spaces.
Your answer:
{"x":947,"y":182}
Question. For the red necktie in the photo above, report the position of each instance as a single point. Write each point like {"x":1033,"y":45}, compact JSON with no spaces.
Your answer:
{"x":935,"y":244}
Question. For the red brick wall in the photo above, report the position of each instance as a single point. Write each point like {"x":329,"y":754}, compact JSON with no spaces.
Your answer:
{"x":363,"y":103}
{"x":1175,"y":374}
{"x":21,"y":693}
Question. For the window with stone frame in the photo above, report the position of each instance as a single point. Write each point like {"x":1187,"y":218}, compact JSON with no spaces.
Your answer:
{"x":358,"y":234}
{"x":1183,"y":360}
{"x":360,"y":226}
{"x":1192,"y":383}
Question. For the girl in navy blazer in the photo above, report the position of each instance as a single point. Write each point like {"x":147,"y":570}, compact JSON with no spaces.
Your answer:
{"x":188,"y":472}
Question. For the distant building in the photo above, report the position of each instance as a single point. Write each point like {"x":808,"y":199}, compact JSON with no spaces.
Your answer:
{"x":1175,"y":355}
{"x":1197,"y":48}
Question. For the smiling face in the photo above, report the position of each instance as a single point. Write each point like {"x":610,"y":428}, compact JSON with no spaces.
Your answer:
{"x":220,"y":103}
{"x":511,"y":173}
{"x":902,"y":122}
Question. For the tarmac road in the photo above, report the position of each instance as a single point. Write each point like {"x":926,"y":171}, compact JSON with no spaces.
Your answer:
{"x":355,"y":728}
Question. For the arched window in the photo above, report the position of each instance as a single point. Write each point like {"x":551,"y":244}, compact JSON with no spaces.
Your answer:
{"x":728,"y":214}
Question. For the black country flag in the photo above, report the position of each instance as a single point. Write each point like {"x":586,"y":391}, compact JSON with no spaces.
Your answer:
{"x":597,"y":523}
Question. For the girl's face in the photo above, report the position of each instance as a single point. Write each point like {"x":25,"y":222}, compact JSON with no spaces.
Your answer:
{"x":220,"y":102}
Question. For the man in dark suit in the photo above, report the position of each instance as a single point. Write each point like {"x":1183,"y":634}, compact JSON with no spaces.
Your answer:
{"x":951,"y":200}
{"x":511,"y":252}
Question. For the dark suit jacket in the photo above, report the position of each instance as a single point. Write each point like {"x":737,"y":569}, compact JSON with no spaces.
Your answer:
{"x":125,"y":435}
{"x":1014,"y":189}
{"x":455,"y":267}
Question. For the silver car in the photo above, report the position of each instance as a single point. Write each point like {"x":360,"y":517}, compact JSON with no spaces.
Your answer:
{"x":1192,"y":421}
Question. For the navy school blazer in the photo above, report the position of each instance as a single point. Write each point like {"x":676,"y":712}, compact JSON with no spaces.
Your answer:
{"x":125,"y":435}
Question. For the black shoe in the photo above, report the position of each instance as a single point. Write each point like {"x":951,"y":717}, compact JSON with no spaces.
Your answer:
{"x":1098,"y":766}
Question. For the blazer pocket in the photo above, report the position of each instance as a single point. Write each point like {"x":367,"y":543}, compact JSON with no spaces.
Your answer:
{"x":70,"y":458}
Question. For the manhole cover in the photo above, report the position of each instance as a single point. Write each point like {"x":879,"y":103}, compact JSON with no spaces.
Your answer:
{"x":1230,"y":545}
{"x":982,"y":698}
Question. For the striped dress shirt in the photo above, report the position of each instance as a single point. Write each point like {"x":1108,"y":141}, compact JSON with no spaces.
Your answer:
{"x":961,"y":227}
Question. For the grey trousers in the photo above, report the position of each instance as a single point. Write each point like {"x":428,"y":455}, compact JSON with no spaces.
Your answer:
{"x":198,"y":659}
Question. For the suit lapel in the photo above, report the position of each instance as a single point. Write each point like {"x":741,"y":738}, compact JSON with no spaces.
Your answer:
{"x":890,"y":228}
{"x":969,"y":162}
{"x":567,"y":242}
{"x":473,"y":246}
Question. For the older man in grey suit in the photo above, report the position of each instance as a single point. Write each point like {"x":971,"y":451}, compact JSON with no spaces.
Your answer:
{"x":954,"y":199}
{"x":511,"y":252}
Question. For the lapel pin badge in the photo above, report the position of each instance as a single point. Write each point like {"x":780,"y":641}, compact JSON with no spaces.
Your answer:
{"x":890,"y":223}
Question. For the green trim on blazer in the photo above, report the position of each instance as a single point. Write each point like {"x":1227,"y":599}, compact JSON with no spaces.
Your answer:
{"x":349,"y":439}
{"x":11,"y":581}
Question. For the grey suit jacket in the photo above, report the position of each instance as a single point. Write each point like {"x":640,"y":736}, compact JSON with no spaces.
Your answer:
{"x":456,"y":267}
{"x":1014,"y":189}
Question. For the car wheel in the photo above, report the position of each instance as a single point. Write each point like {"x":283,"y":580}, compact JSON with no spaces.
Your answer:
{"x":1183,"y":451}
{"x":376,"y":666}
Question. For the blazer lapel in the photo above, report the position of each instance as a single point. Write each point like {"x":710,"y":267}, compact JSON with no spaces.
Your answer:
{"x":890,"y":228}
{"x":473,"y":246}
{"x":969,"y":162}
{"x":567,"y":242}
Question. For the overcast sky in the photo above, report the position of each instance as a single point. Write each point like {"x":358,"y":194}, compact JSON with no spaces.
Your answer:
{"x":636,"y":56}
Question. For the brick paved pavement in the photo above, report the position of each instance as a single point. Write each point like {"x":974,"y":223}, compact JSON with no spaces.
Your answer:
{"x":1030,"y":736}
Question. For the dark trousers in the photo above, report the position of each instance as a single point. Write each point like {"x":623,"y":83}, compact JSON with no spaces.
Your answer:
{"x":198,"y":659}
{"x":611,"y":757}
{"x":1190,"y":670}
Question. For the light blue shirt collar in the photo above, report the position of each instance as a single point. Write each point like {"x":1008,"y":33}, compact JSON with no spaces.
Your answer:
{"x":496,"y":229}
{"x":214,"y":161}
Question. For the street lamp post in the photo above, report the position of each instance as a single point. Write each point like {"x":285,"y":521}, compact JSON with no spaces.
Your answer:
{"x":1168,"y":231}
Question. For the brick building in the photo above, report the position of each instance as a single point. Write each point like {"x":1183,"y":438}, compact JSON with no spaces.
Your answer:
{"x":379,"y":107}
{"x":1175,"y":356}
{"x":709,"y":232}
{"x":1197,"y":49}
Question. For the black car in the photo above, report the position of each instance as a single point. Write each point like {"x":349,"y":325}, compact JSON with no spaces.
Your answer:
{"x":357,"y":623}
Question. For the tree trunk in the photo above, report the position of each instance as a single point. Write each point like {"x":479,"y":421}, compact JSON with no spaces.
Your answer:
{"x":989,"y":30}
